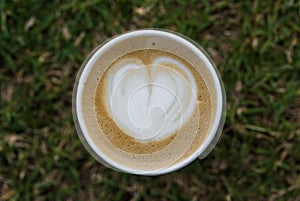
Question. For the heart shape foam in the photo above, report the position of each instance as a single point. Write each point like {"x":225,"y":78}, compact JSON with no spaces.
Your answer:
{"x":151,"y":101}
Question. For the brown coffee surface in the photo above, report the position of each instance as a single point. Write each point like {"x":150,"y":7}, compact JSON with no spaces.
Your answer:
{"x":198,"y":123}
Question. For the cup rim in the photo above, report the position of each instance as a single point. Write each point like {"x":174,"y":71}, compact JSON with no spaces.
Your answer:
{"x":88,"y":65}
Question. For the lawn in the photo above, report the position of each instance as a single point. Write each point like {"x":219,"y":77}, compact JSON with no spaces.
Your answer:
{"x":256,"y":47}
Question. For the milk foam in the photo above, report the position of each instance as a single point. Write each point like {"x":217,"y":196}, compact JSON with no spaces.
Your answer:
{"x":150,"y":100}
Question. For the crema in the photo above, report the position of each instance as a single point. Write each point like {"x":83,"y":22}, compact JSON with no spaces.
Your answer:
{"x":152,"y":107}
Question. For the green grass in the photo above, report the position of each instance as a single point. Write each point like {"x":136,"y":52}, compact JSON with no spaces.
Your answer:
{"x":256,"y":48}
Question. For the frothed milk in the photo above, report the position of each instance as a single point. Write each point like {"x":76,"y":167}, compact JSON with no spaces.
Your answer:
{"x":148,"y":102}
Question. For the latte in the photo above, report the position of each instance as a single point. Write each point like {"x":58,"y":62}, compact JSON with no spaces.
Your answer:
{"x":148,"y":102}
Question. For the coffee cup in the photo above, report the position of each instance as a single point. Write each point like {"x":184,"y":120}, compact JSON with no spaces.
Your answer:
{"x":148,"y":102}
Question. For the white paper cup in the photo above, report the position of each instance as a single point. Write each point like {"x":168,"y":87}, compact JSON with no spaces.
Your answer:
{"x":211,"y":78}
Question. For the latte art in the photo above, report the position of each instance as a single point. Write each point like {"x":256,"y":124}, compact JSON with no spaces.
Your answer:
{"x":149,"y":100}
{"x":148,"y":108}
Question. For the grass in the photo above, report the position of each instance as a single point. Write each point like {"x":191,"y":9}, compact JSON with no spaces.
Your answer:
{"x":255,"y":45}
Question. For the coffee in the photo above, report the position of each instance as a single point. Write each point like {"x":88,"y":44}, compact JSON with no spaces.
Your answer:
{"x":148,"y":103}
{"x":147,"y":98}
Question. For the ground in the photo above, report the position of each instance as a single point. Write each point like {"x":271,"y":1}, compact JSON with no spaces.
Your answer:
{"x":255,"y":45}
